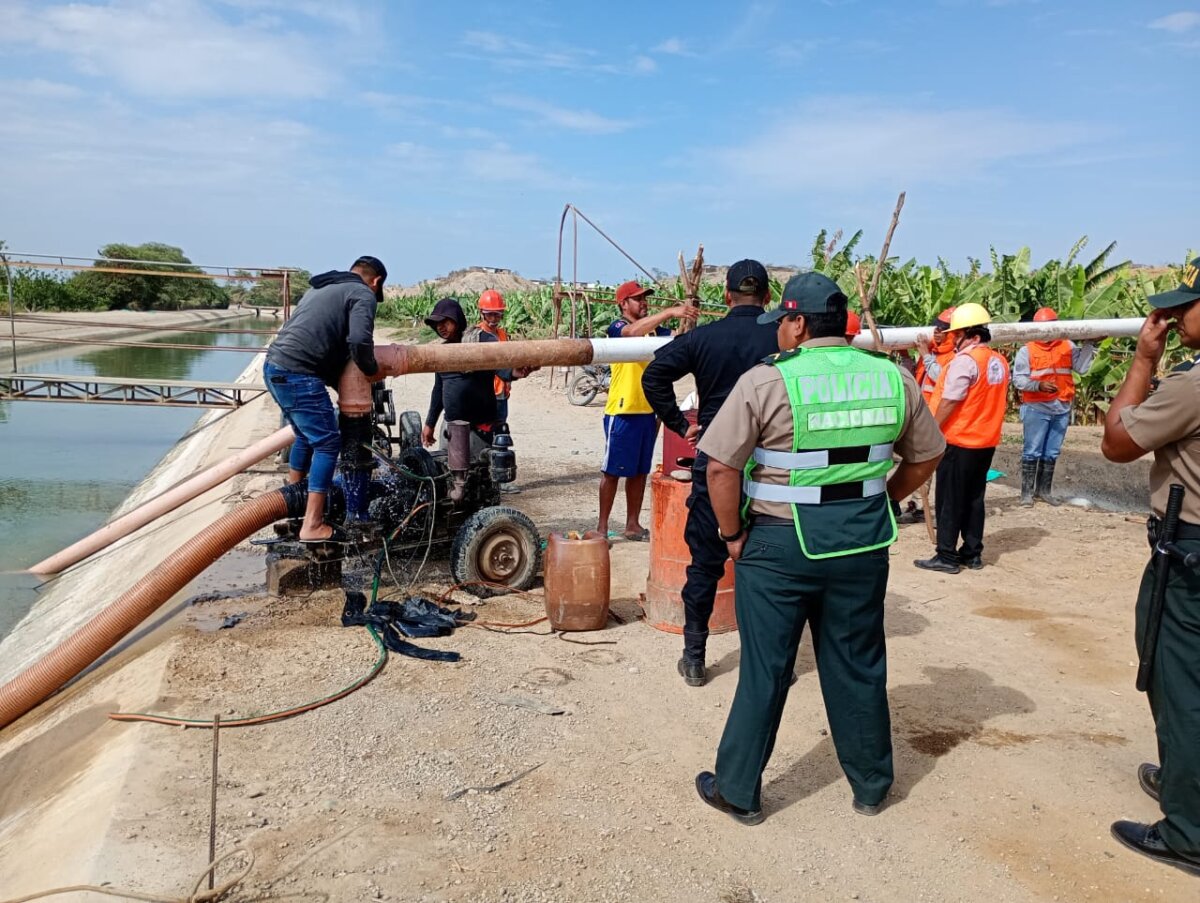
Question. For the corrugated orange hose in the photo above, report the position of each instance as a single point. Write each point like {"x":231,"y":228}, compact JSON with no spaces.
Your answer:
{"x":67,"y":660}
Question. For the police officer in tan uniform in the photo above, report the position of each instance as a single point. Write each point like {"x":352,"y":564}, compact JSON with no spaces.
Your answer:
{"x":1167,"y":423}
{"x":814,"y":546}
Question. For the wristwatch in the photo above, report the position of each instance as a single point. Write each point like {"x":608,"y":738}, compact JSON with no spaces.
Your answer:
{"x":734,"y":538}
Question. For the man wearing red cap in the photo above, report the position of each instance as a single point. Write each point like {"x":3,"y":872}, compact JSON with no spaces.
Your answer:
{"x":1043,"y":373}
{"x":630,"y":425}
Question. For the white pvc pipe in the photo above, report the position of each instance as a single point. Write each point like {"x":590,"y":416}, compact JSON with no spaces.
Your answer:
{"x":893,"y":337}
{"x":164,"y":503}
{"x":642,"y":348}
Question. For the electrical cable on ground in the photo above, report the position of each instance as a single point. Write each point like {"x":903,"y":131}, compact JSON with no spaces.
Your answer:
{"x":271,"y":716}
{"x":196,"y":896}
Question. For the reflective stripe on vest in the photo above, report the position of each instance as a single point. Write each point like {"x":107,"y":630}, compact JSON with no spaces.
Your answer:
{"x":847,"y":411}
{"x":815,"y":495}
{"x":979,"y":418}
{"x":1051,"y":364}
{"x":809,"y":460}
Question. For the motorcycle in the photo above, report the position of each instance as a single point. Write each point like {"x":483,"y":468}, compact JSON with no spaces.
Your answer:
{"x":591,"y":380}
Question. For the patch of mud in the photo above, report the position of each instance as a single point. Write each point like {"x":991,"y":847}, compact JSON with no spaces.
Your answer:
{"x":937,"y":743}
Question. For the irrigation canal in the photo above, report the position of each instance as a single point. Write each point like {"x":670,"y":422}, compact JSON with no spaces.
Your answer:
{"x":67,"y":466}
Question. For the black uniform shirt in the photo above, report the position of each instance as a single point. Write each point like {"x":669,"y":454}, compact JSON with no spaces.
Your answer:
{"x":717,"y":354}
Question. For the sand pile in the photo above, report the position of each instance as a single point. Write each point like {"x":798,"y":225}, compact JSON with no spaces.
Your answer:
{"x":470,"y":281}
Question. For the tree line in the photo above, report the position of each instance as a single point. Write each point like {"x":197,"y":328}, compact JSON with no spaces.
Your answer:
{"x":35,"y":289}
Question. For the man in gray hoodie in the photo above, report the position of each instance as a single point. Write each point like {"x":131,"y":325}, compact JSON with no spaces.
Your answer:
{"x":332,"y":325}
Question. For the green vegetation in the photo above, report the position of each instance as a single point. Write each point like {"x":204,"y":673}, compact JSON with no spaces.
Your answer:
{"x":145,"y":288}
{"x":909,"y":294}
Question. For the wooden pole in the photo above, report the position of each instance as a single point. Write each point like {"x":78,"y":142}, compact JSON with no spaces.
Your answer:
{"x":869,"y":296}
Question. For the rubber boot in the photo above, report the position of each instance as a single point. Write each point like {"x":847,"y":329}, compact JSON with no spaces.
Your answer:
{"x":1045,"y":483}
{"x":1029,"y":469}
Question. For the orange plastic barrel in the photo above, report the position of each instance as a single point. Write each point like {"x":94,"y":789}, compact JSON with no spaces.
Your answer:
{"x":577,"y":580}
{"x":669,"y":558}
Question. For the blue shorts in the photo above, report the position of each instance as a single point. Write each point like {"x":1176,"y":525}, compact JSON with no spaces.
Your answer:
{"x":629,"y":444}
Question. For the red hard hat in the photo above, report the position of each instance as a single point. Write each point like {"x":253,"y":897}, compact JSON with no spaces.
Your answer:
{"x":1043,"y":314}
{"x":491,"y":300}
{"x":853,"y":323}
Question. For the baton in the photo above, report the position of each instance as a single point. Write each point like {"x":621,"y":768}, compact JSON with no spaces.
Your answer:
{"x":1163,"y":546}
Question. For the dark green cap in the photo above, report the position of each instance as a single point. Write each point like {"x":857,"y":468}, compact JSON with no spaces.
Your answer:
{"x":1188,"y":291}
{"x":806,"y":293}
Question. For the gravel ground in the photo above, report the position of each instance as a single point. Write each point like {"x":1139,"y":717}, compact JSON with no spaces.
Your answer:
{"x":1017,"y":733}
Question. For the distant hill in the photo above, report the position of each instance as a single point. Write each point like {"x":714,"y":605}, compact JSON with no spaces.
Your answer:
{"x":469,"y":281}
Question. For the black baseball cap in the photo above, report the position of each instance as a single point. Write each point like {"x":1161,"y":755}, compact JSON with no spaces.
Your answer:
{"x":446,"y":309}
{"x":747,"y":277}
{"x":807,"y":293}
{"x":377,"y":265}
{"x":1188,"y":291}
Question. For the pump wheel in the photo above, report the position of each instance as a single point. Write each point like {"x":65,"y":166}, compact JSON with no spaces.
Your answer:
{"x":496,"y":545}
{"x":582,"y":389}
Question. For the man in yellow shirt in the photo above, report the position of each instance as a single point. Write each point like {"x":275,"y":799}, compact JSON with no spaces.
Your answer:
{"x":630,"y":426}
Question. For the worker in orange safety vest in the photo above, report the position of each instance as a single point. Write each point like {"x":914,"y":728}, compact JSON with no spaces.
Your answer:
{"x":968,"y":404}
{"x":934,"y":353}
{"x":1044,"y":374}
{"x":491,"y":312}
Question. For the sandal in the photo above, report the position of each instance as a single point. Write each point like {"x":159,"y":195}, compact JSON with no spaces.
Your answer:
{"x":338,"y":537}
{"x":644,"y":536}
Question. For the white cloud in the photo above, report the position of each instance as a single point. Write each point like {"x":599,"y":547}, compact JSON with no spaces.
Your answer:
{"x":851,"y":143}
{"x":180,"y":49}
{"x":510,"y":53}
{"x":575,"y":120}
{"x":1177,"y":22}
{"x":672,"y":47}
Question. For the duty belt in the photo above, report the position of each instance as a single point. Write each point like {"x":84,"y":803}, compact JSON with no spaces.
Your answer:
{"x":1184,"y":533}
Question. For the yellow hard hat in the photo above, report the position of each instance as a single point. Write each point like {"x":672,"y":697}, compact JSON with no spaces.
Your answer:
{"x":970,"y":314}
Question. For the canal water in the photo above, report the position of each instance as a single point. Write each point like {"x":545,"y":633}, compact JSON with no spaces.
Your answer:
{"x":64,"y":467}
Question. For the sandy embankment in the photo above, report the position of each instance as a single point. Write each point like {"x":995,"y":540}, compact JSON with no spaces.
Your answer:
{"x":1017,"y":734}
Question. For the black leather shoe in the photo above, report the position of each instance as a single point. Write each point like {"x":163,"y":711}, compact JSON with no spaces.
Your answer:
{"x":868,"y":808}
{"x":706,"y":786}
{"x":974,"y":562}
{"x":1150,"y":777}
{"x":1146,"y":840}
{"x":939,"y":564}
{"x":692,"y":672}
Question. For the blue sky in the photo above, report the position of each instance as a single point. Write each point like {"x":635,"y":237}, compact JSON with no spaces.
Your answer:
{"x":435,"y":136}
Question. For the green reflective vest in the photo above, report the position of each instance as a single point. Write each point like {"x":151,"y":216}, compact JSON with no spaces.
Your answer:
{"x":847,"y":410}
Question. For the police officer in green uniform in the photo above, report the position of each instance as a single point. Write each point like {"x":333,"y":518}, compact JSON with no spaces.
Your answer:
{"x":1167,"y":423}
{"x":809,"y":434}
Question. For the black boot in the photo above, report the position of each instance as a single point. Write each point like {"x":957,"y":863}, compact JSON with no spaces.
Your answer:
{"x":1045,"y":482}
{"x":1029,"y":469}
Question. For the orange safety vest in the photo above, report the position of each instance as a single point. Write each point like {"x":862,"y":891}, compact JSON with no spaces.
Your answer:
{"x":1051,"y":362}
{"x":503,"y":388}
{"x":977,"y":420}
{"x":943,"y":351}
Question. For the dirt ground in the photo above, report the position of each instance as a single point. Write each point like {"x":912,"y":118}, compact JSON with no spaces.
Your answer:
{"x":1017,"y":734}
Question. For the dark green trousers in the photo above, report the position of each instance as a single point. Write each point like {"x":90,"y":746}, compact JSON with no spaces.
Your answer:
{"x":779,"y":590}
{"x":1175,"y":701}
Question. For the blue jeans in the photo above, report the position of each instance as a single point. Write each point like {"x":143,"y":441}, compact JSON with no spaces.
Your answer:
{"x":306,"y":407}
{"x":1044,"y":433}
